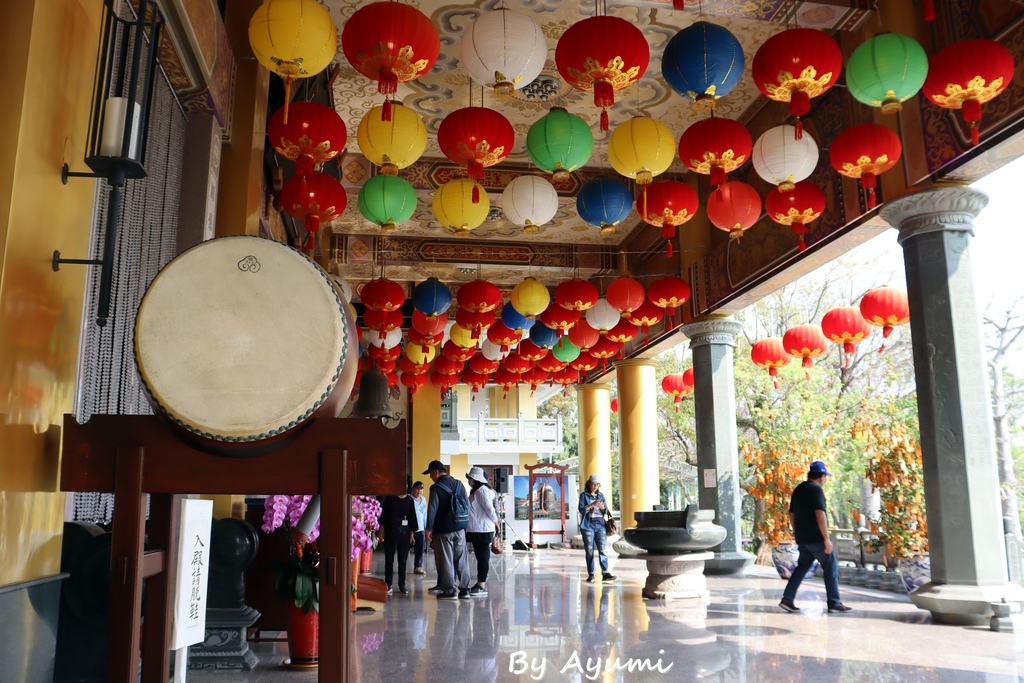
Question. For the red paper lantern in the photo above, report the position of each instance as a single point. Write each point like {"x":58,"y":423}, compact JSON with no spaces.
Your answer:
{"x":845,"y":325}
{"x":515,"y":363}
{"x":688,"y":377}
{"x":644,"y":317}
{"x":454,"y":352}
{"x":530,"y":351}
{"x":622,"y":333}
{"x":383,"y":321}
{"x":576,"y":294}
{"x":387,"y":366}
{"x":559,"y":318}
{"x":864,"y":152}
{"x":734,"y":207}
{"x":583,"y":335}
{"x":796,"y":208}
{"x":714,"y":147}
{"x":428,"y":324}
{"x":550,"y":363}
{"x":479,"y":296}
{"x":770,"y":354}
{"x":967,"y":74}
{"x":669,"y":293}
{"x":475,"y":380}
{"x":535,"y":377}
{"x":605,"y":348}
{"x":885,"y":307}
{"x":413,"y":381}
{"x":669,"y":203}
{"x":417,"y":337}
{"x":313,"y":134}
{"x":615,"y":405}
{"x":382,"y":295}
{"x":806,"y":342}
{"x":408,"y":367}
{"x":475,"y":137}
{"x":391,"y":43}
{"x":315,"y":199}
{"x":506,"y":380}
{"x":794,"y":66}
{"x":447,"y":366}
{"x":476,"y":323}
{"x":383,"y":354}
{"x":482,"y":364}
{"x":584,"y":362}
{"x":625,"y":294}
{"x":673,"y":385}
{"x":444,"y":382}
{"x":602,"y":54}
{"x":500,"y":334}
{"x":565,"y":377}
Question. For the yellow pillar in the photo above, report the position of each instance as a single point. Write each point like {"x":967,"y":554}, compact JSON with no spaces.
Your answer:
{"x":595,"y":438}
{"x":638,"y":427}
{"x":426,"y":430}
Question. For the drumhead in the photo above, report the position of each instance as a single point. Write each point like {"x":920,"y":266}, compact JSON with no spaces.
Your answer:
{"x":242,"y":339}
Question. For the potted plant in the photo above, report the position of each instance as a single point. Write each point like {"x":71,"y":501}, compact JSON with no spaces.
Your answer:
{"x":895,"y":470}
{"x":366,"y":511}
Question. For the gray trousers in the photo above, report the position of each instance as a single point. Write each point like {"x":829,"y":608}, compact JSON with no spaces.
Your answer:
{"x":449,"y":554}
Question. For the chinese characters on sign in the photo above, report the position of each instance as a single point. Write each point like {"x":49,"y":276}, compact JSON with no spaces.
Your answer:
{"x":192,"y":573}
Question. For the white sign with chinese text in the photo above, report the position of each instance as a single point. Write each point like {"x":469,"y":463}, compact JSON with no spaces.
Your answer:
{"x":710,"y":478}
{"x":189,"y":625}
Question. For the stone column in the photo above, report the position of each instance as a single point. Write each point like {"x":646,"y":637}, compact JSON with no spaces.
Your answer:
{"x":595,"y":438}
{"x":714,"y":395}
{"x":639,"y":488}
{"x":965,"y":530}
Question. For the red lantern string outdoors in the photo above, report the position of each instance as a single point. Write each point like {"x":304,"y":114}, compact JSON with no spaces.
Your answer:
{"x":796,"y":65}
{"x":670,"y":203}
{"x":714,"y":147}
{"x":646,"y":316}
{"x":734,"y":207}
{"x":391,"y":43}
{"x":625,"y":294}
{"x":806,"y":342}
{"x":845,"y":325}
{"x":475,"y":137}
{"x":688,"y":377}
{"x":796,"y":208}
{"x":615,"y":405}
{"x":864,"y":152}
{"x":583,"y":335}
{"x":314,"y":199}
{"x":314,"y":134}
{"x":885,"y":307}
{"x":770,"y":354}
{"x":673,"y":385}
{"x":669,"y":293}
{"x":479,"y":296}
{"x":967,"y":74}
{"x":602,"y":54}
{"x":576,"y":294}
{"x":559,"y":318}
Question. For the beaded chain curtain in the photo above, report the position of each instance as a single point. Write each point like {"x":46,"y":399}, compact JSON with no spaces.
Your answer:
{"x":108,"y":379}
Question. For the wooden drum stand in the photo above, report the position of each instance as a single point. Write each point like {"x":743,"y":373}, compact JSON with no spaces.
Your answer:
{"x":132,"y":455}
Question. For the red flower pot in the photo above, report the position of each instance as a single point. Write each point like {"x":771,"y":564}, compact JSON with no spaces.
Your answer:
{"x":303,"y":637}
{"x":365,"y":562}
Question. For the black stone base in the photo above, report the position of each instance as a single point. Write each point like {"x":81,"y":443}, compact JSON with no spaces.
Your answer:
{"x":226,"y":647}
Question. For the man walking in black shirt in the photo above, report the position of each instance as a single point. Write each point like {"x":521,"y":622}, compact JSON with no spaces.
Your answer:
{"x":810,"y":529}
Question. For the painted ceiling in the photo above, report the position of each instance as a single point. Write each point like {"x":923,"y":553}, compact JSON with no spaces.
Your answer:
{"x":448,"y":87}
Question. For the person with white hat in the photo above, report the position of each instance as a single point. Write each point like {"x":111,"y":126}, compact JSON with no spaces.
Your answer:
{"x":593,"y":511}
{"x":483,"y":522}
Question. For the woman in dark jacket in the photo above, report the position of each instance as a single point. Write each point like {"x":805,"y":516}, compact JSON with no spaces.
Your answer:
{"x":593,"y":510}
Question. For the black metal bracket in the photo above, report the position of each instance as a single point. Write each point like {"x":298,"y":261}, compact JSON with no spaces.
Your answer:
{"x":57,"y":260}
{"x":66,"y":173}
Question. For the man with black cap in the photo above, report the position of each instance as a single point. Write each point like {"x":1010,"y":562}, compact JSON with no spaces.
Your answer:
{"x":810,"y":529}
{"x":450,"y":550}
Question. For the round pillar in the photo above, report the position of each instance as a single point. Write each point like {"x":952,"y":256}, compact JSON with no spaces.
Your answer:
{"x":595,"y":437}
{"x":638,"y":435}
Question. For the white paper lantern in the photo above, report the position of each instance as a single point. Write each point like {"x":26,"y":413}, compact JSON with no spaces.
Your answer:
{"x":392,"y":339}
{"x":781,"y":159}
{"x":529,"y":201}
{"x":504,"y":50}
{"x":602,"y":317}
{"x":344,"y":286}
{"x":492,"y":351}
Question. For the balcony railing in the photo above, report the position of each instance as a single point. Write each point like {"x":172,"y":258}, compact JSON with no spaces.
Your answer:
{"x":488,"y":434}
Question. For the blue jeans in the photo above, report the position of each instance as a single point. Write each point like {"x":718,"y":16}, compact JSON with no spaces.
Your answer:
{"x":809,"y":552}
{"x":595,"y":538}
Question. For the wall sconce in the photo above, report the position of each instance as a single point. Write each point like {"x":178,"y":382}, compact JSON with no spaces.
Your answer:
{"x":119,"y":123}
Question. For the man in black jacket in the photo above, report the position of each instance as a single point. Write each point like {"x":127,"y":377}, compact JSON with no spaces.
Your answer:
{"x":397,"y":526}
{"x":450,"y":546}
{"x":810,"y":529}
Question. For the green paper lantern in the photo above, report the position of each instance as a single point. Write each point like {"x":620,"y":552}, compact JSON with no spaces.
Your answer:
{"x":887,"y":70}
{"x":559,"y":143}
{"x":387,"y":200}
{"x":565,"y":350}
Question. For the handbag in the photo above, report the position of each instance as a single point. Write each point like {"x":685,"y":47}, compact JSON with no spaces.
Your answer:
{"x":496,"y":546}
{"x":610,"y":526}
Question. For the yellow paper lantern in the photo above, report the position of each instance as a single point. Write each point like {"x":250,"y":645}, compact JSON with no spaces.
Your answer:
{"x":530,"y":297}
{"x":419,"y":354}
{"x":641,"y":148}
{"x":392,"y":144}
{"x":462,"y":337}
{"x":294,"y":39}
{"x":454,"y":207}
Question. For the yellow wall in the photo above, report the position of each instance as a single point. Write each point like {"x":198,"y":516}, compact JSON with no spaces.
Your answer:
{"x":426,"y":431}
{"x":48,"y":49}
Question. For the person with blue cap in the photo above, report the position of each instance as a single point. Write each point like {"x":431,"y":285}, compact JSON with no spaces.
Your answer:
{"x":810,"y":530}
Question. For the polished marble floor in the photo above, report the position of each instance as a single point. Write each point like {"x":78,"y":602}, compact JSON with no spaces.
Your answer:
{"x":543,"y":622}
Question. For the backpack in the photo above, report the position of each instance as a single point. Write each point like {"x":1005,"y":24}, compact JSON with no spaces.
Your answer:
{"x":458,"y":512}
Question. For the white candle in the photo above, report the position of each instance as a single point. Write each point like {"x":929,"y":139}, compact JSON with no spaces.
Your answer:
{"x":114,"y":111}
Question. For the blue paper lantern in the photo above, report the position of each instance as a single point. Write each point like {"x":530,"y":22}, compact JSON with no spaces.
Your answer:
{"x":514,"y":320}
{"x":604,"y":202}
{"x":544,"y":336}
{"x":703,"y":62}
{"x":431,"y":297}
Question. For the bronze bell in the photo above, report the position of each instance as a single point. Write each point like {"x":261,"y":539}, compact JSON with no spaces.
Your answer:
{"x":373,"y":395}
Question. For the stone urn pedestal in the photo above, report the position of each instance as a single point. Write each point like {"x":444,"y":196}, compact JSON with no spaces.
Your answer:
{"x":676,"y":545}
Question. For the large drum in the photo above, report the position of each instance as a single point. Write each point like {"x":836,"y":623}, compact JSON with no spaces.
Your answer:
{"x":241,"y":340}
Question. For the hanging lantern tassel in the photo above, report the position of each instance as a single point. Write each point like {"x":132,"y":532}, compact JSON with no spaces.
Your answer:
{"x":678,"y":4}
{"x":476,"y":193}
{"x":799,"y":105}
{"x":799,"y":229}
{"x":869,"y":183}
{"x":971,"y":109}
{"x":604,"y":120}
{"x":668,"y":233}
{"x":312,"y":228}
{"x":387,"y":82}
{"x":808,"y":363}
{"x":929,"y":10}
{"x":848,"y":350}
{"x":773,"y":372}
{"x":886,"y":331}
{"x":385,"y":111}
{"x":678,"y":401}
{"x":287,"y":96}
{"x":717,"y":176}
